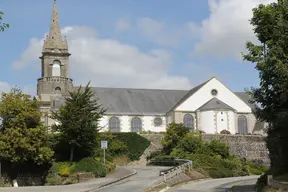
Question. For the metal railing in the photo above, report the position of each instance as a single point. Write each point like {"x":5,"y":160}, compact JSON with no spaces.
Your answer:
{"x":181,"y":167}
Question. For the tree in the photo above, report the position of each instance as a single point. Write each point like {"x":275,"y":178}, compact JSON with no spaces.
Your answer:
{"x":175,"y":132}
{"x":270,"y":24}
{"x":23,"y":138}
{"x":3,"y":25}
{"x":78,"y":121}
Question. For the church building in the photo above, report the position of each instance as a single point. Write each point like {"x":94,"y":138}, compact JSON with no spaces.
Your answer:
{"x":210,"y":107}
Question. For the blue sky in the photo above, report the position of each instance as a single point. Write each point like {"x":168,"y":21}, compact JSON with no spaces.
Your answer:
{"x":163,"y":44}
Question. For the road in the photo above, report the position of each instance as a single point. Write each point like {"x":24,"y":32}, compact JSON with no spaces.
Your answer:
{"x":235,"y":184}
{"x":145,"y":177}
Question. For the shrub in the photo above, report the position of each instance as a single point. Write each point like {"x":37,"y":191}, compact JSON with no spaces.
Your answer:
{"x":90,"y":164}
{"x":132,"y":144}
{"x":219,"y":148}
{"x":56,"y":173}
{"x":175,"y":132}
{"x":224,"y":131}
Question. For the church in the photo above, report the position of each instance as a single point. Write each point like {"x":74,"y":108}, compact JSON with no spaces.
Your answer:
{"x":210,"y":107}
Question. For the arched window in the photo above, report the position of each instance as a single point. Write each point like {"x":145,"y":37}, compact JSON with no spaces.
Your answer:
{"x":188,"y":121}
{"x":57,"y":90}
{"x":56,"y":69}
{"x":242,"y":125}
{"x":136,"y":124}
{"x":114,"y":124}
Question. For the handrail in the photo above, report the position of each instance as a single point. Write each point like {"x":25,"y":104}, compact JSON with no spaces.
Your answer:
{"x":174,"y":171}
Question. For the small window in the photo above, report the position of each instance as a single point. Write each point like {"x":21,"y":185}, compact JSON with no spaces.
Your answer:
{"x":214,"y":92}
{"x":158,"y":121}
{"x":58,"y":90}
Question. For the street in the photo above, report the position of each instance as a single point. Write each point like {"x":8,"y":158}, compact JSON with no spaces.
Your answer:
{"x":235,"y":184}
{"x":145,"y":177}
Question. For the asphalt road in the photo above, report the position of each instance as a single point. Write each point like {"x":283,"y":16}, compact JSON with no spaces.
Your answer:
{"x":145,"y":177}
{"x":235,"y":184}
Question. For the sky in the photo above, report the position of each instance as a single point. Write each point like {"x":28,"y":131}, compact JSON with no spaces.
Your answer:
{"x":163,"y":44}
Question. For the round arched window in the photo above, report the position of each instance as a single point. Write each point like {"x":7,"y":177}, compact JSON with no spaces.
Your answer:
{"x":157,"y":121}
{"x":214,"y":92}
{"x":57,"y":90}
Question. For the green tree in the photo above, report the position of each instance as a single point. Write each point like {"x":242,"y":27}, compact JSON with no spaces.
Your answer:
{"x":270,"y":55}
{"x":175,"y":132}
{"x":3,"y":25}
{"x":78,"y":121}
{"x":23,"y":138}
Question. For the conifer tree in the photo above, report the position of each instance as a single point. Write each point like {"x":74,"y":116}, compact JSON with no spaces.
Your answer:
{"x":78,"y":121}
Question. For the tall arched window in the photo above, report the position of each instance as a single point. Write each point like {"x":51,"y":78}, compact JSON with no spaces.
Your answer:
{"x":114,"y":124}
{"x":188,"y":121}
{"x":242,"y":125}
{"x":136,"y":124}
{"x":56,"y":69}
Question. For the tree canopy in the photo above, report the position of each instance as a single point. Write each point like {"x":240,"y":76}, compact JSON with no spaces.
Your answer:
{"x":3,"y":25}
{"x":79,"y":120}
{"x":270,"y":55}
{"x":23,"y":137}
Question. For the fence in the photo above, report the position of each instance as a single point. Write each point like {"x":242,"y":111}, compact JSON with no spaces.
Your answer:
{"x":182,"y":166}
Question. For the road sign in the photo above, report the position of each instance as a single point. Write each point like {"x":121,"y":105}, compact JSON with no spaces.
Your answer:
{"x":104,"y":144}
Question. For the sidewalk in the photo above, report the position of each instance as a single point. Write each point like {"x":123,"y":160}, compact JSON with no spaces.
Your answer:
{"x":122,"y":173}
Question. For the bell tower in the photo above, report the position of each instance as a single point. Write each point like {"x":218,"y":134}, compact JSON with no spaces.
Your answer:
{"x":54,"y":63}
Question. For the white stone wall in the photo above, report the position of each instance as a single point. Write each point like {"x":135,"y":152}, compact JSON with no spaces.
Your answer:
{"x":125,"y":123}
{"x":207,"y":122}
{"x":203,"y":95}
{"x":211,"y":121}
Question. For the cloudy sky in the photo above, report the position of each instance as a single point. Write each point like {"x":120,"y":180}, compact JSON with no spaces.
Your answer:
{"x":167,"y":44}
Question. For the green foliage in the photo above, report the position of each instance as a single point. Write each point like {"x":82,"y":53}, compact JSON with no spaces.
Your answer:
{"x":90,"y":164}
{"x":3,"y":25}
{"x":270,"y":24}
{"x":175,"y":132}
{"x":23,"y":137}
{"x":219,"y":148}
{"x":58,"y":173}
{"x":131,"y":144}
{"x":212,"y":157}
{"x":79,"y":119}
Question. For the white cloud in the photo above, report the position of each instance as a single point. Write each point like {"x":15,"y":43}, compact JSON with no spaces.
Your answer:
{"x":108,"y":62}
{"x":227,"y":29}
{"x":163,"y":34}
{"x":122,"y":24}
{"x":4,"y":87}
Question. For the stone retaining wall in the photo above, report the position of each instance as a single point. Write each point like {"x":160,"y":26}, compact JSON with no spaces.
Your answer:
{"x":251,"y":147}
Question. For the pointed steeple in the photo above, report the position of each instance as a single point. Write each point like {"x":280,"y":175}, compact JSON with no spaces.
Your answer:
{"x":54,"y":39}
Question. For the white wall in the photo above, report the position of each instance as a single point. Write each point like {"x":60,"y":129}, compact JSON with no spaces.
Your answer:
{"x":125,"y":123}
{"x":207,"y":122}
{"x":204,"y":95}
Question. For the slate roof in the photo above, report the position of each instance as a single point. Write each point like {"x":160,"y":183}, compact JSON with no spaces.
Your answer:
{"x":214,"y":103}
{"x":150,"y":101}
{"x":137,"y":101}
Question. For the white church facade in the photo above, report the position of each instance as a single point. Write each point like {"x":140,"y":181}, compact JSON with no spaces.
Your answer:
{"x":210,"y":107}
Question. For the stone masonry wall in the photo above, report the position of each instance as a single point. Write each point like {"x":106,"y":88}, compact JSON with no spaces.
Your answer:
{"x":251,"y":147}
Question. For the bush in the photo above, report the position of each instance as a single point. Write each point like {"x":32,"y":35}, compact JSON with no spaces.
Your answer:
{"x":59,"y":173}
{"x":224,"y":131}
{"x":131,"y":144}
{"x":175,"y":132}
{"x":219,"y":148}
{"x":90,"y":164}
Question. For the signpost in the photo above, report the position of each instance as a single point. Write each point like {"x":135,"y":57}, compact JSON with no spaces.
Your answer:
{"x":104,"y":145}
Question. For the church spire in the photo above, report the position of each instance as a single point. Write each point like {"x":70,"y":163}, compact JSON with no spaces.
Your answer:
{"x":55,"y":30}
{"x":54,"y":39}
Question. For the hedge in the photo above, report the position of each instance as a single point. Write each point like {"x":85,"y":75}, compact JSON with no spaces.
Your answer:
{"x":131,"y":144}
